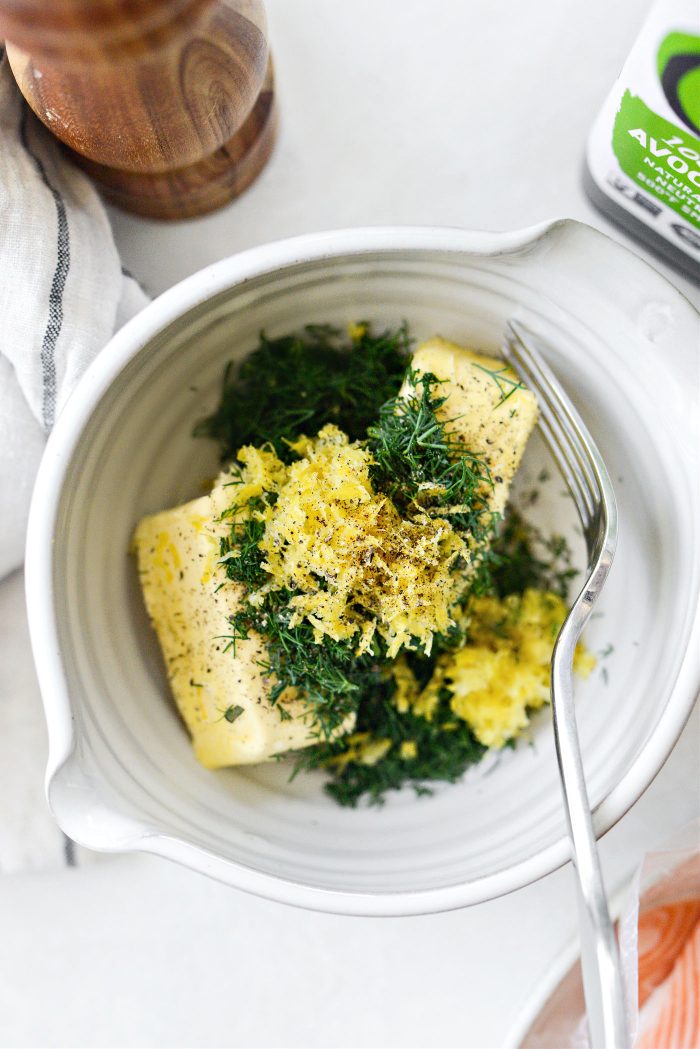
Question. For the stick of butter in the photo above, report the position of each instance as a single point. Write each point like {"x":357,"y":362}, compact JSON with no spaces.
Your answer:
{"x":487,"y":425}
{"x":177,"y":553}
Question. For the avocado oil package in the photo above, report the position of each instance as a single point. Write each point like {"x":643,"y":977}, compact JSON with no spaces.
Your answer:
{"x":643,"y":155}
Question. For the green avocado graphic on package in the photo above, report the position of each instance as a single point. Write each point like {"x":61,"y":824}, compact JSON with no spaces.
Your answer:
{"x":643,"y":153}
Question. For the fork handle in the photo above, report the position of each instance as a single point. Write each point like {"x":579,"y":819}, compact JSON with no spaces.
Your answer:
{"x":600,"y":957}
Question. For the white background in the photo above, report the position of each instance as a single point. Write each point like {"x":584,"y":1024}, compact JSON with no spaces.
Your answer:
{"x":461,"y":112}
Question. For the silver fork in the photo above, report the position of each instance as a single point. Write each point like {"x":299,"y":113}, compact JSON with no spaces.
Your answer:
{"x":587,"y":478}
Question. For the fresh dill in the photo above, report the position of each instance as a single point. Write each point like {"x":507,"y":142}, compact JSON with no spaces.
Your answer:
{"x":330,"y":676}
{"x":297,"y":383}
{"x":417,"y":463}
{"x":421,"y":466}
{"x":414,"y":464}
{"x":506,"y":385}
{"x":423,"y":469}
{"x":444,"y":749}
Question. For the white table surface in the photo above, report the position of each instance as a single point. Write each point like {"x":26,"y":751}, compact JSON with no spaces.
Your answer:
{"x":459,"y":112}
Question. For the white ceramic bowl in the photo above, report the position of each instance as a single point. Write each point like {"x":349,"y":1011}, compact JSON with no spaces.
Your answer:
{"x":121,"y":774}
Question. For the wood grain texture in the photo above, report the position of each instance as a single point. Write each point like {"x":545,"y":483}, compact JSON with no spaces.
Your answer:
{"x":157,"y":97}
{"x":203,"y":186}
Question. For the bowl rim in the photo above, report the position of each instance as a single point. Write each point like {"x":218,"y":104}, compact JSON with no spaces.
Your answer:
{"x":121,"y":348}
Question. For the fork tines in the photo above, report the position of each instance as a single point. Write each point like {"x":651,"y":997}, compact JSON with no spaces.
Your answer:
{"x":569,"y":441}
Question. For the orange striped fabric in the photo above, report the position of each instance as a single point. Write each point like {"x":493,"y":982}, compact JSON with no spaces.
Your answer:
{"x":669,"y":963}
{"x":663,"y":932}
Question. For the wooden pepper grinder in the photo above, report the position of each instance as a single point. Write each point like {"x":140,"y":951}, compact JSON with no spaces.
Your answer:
{"x":167,"y":104}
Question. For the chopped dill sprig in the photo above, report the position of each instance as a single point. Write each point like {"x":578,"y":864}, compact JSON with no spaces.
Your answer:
{"x":330,"y":677}
{"x":421,"y":466}
{"x":506,"y":385}
{"x":444,"y":749}
{"x":297,"y":383}
{"x":417,"y":463}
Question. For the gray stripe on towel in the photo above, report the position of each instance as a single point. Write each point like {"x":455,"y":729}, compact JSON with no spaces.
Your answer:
{"x":69,"y":851}
{"x":58,"y":283}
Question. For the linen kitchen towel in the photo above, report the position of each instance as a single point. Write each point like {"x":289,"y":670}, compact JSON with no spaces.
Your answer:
{"x":63,"y":293}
